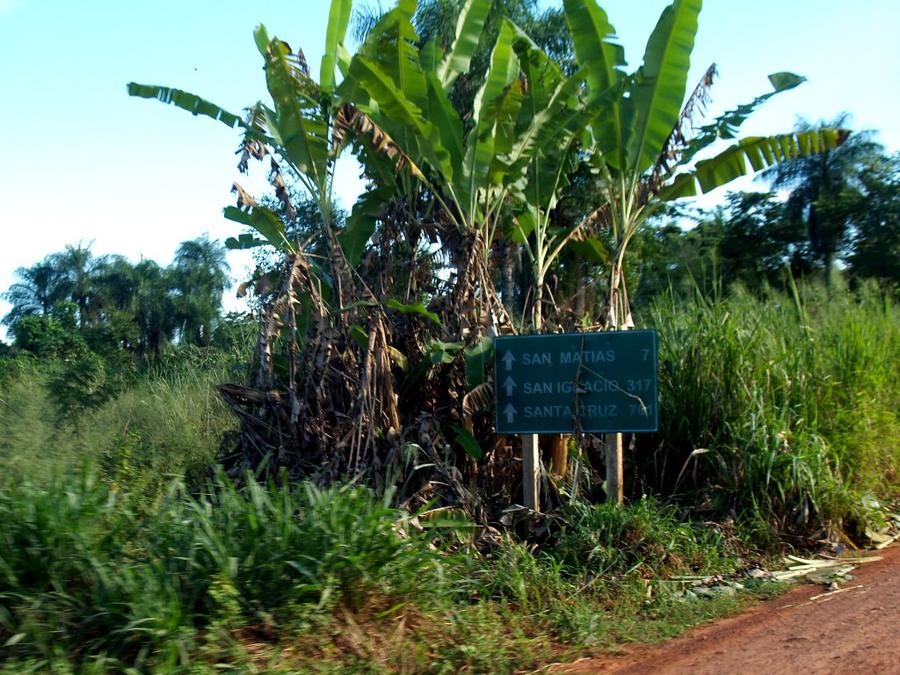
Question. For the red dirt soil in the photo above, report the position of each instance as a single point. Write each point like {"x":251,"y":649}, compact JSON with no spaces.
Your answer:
{"x":856,"y":631}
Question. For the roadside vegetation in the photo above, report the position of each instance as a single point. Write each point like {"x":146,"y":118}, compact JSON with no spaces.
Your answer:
{"x":122,"y":545}
{"x":780,"y":409}
{"x":301,"y":578}
{"x":318,"y":485}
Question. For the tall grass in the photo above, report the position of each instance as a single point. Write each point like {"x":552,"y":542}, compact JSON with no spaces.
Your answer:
{"x":166,"y":422}
{"x":648,"y":539}
{"x":306,"y":575}
{"x":781,"y":411}
{"x":27,"y":415}
{"x":81,"y":573}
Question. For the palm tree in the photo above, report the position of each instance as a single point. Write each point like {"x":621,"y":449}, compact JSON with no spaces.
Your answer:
{"x":38,"y":289}
{"x":824,"y":189}
{"x":154,"y":308}
{"x":115,"y":282}
{"x":64,"y":276}
{"x":199,"y":277}
{"x":76,"y":265}
{"x":876,"y":239}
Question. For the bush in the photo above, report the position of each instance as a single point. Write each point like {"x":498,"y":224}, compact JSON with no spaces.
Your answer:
{"x":286,"y":545}
{"x":80,"y":384}
{"x":51,"y":335}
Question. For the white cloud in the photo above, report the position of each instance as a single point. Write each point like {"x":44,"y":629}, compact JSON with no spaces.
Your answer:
{"x":9,"y":5}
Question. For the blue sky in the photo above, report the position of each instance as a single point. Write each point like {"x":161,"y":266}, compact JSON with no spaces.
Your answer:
{"x":86,"y":163}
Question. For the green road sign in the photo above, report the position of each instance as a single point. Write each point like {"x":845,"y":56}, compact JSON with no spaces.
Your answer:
{"x":547,"y":384}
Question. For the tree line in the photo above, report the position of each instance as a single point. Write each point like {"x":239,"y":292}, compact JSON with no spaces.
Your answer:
{"x":837,"y":214}
{"x":73,"y":301}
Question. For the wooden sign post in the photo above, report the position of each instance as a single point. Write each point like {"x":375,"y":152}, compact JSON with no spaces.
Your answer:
{"x":531,"y":472}
{"x":572,"y":383}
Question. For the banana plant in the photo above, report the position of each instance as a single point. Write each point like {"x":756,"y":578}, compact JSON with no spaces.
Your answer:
{"x":293,"y":130}
{"x":296,"y":131}
{"x":505,"y":162}
{"x":641,"y":152}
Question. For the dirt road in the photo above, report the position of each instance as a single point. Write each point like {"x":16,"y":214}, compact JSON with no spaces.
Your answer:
{"x":856,"y":631}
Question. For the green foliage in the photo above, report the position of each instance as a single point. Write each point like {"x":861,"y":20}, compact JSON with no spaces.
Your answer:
{"x":676,"y":261}
{"x":80,"y":384}
{"x":199,"y":276}
{"x":224,"y":558}
{"x":780,"y":409}
{"x":301,"y":566}
{"x":56,"y":585}
{"x":827,"y":192}
{"x":171,"y":424}
{"x":27,"y":445}
{"x":875,"y":242}
{"x":415,"y":308}
{"x":235,"y":333}
{"x":49,"y":337}
{"x":757,"y":244}
{"x":477,"y":358}
{"x":37,"y":290}
{"x":142,"y":429}
{"x":468,"y":442}
{"x":73,"y":300}
{"x":655,"y":105}
{"x":182,"y":99}
{"x":117,"y":566}
{"x":469,"y":27}
{"x":338,"y":21}
{"x":753,"y":154}
{"x":645,"y":539}
{"x":300,"y":544}
{"x":645,"y":138}
{"x":727,"y":125}
{"x":759,"y":240}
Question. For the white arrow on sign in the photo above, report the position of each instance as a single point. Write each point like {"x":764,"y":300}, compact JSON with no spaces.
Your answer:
{"x":510,"y":413}
{"x":508,"y":358}
{"x":510,"y":384}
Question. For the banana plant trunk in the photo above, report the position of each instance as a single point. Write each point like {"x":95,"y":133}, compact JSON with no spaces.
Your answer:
{"x":618,"y":317}
{"x":559,"y":443}
{"x":538,"y":311}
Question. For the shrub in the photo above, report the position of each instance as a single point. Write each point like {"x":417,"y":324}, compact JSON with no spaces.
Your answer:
{"x":644,"y":538}
{"x":51,"y":335}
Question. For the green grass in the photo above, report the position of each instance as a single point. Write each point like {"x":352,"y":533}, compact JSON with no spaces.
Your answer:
{"x":167,"y":422}
{"x":330,"y":579}
{"x":645,"y":540}
{"x":121,"y":546}
{"x":82,"y":572}
{"x":780,"y":412}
